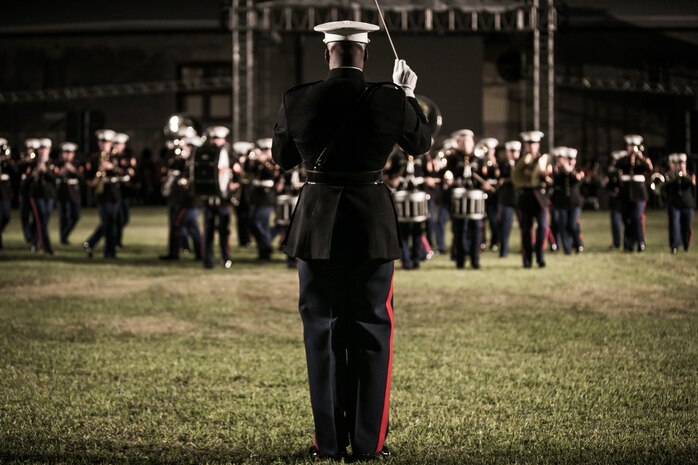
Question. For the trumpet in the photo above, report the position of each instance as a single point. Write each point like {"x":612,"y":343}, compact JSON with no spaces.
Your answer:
{"x":657,"y":182}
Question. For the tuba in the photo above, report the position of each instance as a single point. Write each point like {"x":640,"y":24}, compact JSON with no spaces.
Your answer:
{"x":433,"y":114}
{"x":529,"y":171}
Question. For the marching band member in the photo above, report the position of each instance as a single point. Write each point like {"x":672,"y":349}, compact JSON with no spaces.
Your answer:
{"x":531,"y":174}
{"x":467,"y":233}
{"x":680,"y":191}
{"x":288,"y":186}
{"x":7,"y":171}
{"x":241,"y":201}
{"x":632,"y":169}
{"x":566,"y":200}
{"x":42,"y":194}
{"x":217,"y":210}
{"x":405,"y":173}
{"x":262,"y":171}
{"x":69,"y":175}
{"x":103,"y":175}
{"x":182,"y":203}
{"x":615,"y":204}
{"x":438,"y":196}
{"x":27,"y":161}
{"x":554,"y":233}
{"x":508,"y":195}
{"x":344,"y":230}
{"x":124,"y":158}
{"x":490,"y":172}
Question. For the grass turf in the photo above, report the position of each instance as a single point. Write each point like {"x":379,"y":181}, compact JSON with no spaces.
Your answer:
{"x":591,"y":360}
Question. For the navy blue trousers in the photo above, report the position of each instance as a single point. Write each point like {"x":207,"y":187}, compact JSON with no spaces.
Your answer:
{"x":68,"y":217}
{"x":108,"y":223}
{"x":222,"y":214}
{"x":124,"y":219}
{"x":41,"y":208}
{"x":616,"y":226}
{"x":568,"y":229}
{"x":183,"y":221}
{"x":680,"y":227}
{"x":438,"y":216}
{"x":467,"y":237}
{"x":634,"y":222}
{"x":347,"y":314}
{"x":527,"y":217}
{"x":25,"y":214}
{"x":260,"y":229}
{"x":492,"y":212}
{"x":506,"y":222}
{"x":5,"y":209}
{"x":413,"y":249}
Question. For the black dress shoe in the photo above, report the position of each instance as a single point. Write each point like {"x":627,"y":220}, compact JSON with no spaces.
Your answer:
{"x":88,"y":249}
{"x":383,"y":454}
{"x":314,"y":454}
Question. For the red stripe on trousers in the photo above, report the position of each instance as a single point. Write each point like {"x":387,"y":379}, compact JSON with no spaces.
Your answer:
{"x":386,"y":402}
{"x":425,"y":243}
{"x":42,"y":244}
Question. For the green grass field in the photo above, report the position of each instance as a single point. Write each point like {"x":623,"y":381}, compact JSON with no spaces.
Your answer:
{"x":593,"y":359}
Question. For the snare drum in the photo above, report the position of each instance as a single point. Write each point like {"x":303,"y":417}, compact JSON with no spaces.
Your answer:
{"x":468,"y":204}
{"x":411,"y":207}
{"x":284,"y":208}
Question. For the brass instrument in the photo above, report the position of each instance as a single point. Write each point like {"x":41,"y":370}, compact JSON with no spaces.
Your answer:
{"x":101,"y":175}
{"x":529,"y":171}
{"x":657,"y":182}
{"x":433,"y":114}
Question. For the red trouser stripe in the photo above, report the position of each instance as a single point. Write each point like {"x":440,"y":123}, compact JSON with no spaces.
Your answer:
{"x":425,"y":243}
{"x":386,"y":402}
{"x":38,"y":224}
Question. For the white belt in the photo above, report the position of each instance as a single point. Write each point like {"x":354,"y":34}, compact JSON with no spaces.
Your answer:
{"x":635,"y":178}
{"x":266,"y":183}
{"x":72,"y":182}
{"x":4,"y":177}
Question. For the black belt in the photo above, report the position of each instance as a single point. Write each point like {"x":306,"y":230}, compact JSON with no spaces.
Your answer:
{"x":345,"y":178}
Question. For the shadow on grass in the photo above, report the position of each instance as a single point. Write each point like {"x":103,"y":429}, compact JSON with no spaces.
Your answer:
{"x":123,"y":452}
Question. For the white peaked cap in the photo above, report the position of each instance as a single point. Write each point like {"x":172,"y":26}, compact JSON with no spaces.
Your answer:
{"x":45,"y":142}
{"x":105,"y":134}
{"x":678,"y":157}
{"x":618,"y":154}
{"x":571,"y":153}
{"x":346,"y":31}
{"x":463,"y":133}
{"x":3,"y":141}
{"x":633,"y":139}
{"x":32,"y":143}
{"x":489,"y":142}
{"x":195,"y":141}
{"x":264,"y":144}
{"x":559,"y":151}
{"x":450,"y":143}
{"x":218,"y":132}
{"x":531,"y":136}
{"x":513,"y":145}
{"x":121,"y":138}
{"x":69,"y":147}
{"x":242,"y":147}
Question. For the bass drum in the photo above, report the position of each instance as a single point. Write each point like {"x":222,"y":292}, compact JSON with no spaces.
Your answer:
{"x":284,"y":208}
{"x":205,"y":176}
{"x":411,"y":207}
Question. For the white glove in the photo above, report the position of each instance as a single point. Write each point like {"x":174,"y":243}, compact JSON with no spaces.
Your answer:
{"x":404,"y":77}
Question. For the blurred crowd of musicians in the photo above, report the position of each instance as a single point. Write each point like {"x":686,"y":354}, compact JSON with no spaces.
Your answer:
{"x":479,"y":185}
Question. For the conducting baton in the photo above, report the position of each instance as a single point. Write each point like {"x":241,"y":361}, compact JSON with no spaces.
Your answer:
{"x":380,"y":13}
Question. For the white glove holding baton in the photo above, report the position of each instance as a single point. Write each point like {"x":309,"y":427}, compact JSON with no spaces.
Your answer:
{"x":404,"y":77}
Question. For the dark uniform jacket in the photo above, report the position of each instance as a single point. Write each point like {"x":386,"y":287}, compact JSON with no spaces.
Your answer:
{"x":108,"y":189}
{"x":633,"y":190}
{"x":346,"y":221}
{"x":68,"y":184}
{"x":680,"y":192}
{"x":182,"y":194}
{"x":613,"y":188}
{"x":7,"y":172}
{"x":508,"y":194}
{"x":566,"y":191}
{"x":261,"y":193}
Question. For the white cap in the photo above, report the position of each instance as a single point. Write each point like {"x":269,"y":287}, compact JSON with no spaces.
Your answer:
{"x":479,"y":152}
{"x":121,"y":138}
{"x":489,"y":142}
{"x":32,"y":143}
{"x":559,"y":151}
{"x":69,"y":147}
{"x":242,"y":147}
{"x":513,"y":146}
{"x":571,"y":153}
{"x":531,"y":136}
{"x":218,"y":132}
{"x":194,"y":140}
{"x":633,"y":139}
{"x":3,"y":141}
{"x":265,"y":144}
{"x":618,"y":154}
{"x":45,"y":142}
{"x":450,"y":143}
{"x":346,"y":31}
{"x":105,"y":134}
{"x":463,"y":133}
{"x":678,"y":157}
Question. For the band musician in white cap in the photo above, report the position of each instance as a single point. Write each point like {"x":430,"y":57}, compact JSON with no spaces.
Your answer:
{"x":344,"y":231}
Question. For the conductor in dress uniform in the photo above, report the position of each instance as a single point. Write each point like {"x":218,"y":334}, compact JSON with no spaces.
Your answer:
{"x":344,"y":231}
